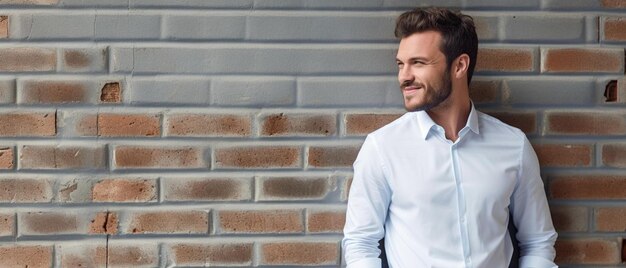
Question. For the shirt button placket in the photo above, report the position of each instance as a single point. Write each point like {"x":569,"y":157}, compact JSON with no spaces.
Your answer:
{"x":462,"y":215}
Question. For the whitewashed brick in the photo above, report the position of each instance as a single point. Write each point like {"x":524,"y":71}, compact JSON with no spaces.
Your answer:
{"x":570,"y":4}
{"x":52,"y":27}
{"x":553,"y":92}
{"x":508,"y":4}
{"x":291,"y":59}
{"x":128,"y":26}
{"x":204,"y":27}
{"x":410,"y":4}
{"x":350,"y":92}
{"x":544,"y":28}
{"x":7,"y":91}
{"x":253,"y":91}
{"x":168,"y":90}
{"x":310,"y":4}
{"x":93,"y":3}
{"x":487,"y":28}
{"x":302,"y":26}
{"x":191,"y":3}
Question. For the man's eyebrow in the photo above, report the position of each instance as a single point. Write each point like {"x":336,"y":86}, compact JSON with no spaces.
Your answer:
{"x":414,"y":58}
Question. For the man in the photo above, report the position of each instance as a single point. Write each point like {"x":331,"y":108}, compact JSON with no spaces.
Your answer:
{"x":441,"y":183}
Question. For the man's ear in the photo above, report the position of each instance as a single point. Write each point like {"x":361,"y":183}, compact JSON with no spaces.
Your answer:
{"x":461,"y":65}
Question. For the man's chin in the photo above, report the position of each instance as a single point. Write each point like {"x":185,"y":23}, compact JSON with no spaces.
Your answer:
{"x":416,"y":107}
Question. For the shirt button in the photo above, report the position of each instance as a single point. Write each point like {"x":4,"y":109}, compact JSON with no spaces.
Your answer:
{"x":463,"y":219}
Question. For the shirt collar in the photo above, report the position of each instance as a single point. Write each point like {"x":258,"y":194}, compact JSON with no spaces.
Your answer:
{"x":426,"y":123}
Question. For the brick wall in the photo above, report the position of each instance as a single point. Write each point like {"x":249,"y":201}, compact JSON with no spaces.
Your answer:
{"x":186,"y":133}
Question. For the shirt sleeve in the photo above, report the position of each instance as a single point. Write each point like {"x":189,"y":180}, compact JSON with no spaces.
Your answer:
{"x":531,"y":214}
{"x":368,"y":202}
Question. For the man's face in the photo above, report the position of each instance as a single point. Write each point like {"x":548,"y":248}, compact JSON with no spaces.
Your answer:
{"x":422,"y":71}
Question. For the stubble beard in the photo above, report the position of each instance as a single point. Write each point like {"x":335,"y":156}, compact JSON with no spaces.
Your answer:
{"x":433,"y":97}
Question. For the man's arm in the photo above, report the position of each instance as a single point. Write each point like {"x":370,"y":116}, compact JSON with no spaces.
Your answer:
{"x":367,"y":209}
{"x":531,"y":214}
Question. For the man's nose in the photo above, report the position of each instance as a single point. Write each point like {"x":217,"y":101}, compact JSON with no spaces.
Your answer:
{"x":404,"y":75}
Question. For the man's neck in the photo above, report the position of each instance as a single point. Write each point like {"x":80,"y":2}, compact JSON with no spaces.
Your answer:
{"x":452,"y":117}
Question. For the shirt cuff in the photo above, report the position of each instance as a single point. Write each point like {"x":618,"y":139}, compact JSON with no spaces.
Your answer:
{"x":536,"y":262}
{"x":366,"y":263}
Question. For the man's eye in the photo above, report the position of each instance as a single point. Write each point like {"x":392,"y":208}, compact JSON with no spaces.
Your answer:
{"x":417,"y":62}
{"x":400,"y":65}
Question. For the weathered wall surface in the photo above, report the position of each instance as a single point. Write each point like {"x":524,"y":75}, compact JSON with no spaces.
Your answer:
{"x":222,"y":132}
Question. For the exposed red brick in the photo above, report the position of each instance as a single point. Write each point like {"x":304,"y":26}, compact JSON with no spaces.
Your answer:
{"x":111,"y":93}
{"x":584,"y":60}
{"x":615,"y":29}
{"x":614,"y":3}
{"x":258,"y":157}
{"x":84,"y":60}
{"x":7,"y":223}
{"x":28,"y":124}
{"x":36,"y":223}
{"x":156,"y":157}
{"x":76,"y":58}
{"x":611,"y":219}
{"x":104,"y":223}
{"x":6,"y":158}
{"x":86,"y":255}
{"x":564,"y":155}
{"x":206,"y":189}
{"x":362,"y":124}
{"x":293,"y":188}
{"x":298,"y":125}
{"x":300,"y":253}
{"x":119,"y":125}
{"x":14,"y":255}
{"x":504,"y":60}
{"x":588,"y":187}
{"x":4,"y":26}
{"x":177,"y":222}
{"x":525,"y":121}
{"x":484,"y":91}
{"x":336,"y":156}
{"x":586,"y":123}
{"x":614,"y":155}
{"x":326,"y":221}
{"x":63,"y":157}
{"x":265,"y":221}
{"x":24,"y":190}
{"x":133,"y":256}
{"x":212,"y":125}
{"x":24,"y":59}
{"x":215,"y":254}
{"x":124,"y":190}
{"x":55,"y":92}
{"x":587,"y":251}
{"x":569,"y":219}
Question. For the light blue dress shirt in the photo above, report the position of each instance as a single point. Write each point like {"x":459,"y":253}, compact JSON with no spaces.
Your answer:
{"x":446,"y":204}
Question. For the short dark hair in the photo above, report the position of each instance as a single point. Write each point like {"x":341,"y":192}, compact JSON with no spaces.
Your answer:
{"x":457,"y":31}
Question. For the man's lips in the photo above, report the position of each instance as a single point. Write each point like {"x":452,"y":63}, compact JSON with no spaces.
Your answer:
{"x":410,"y":89}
